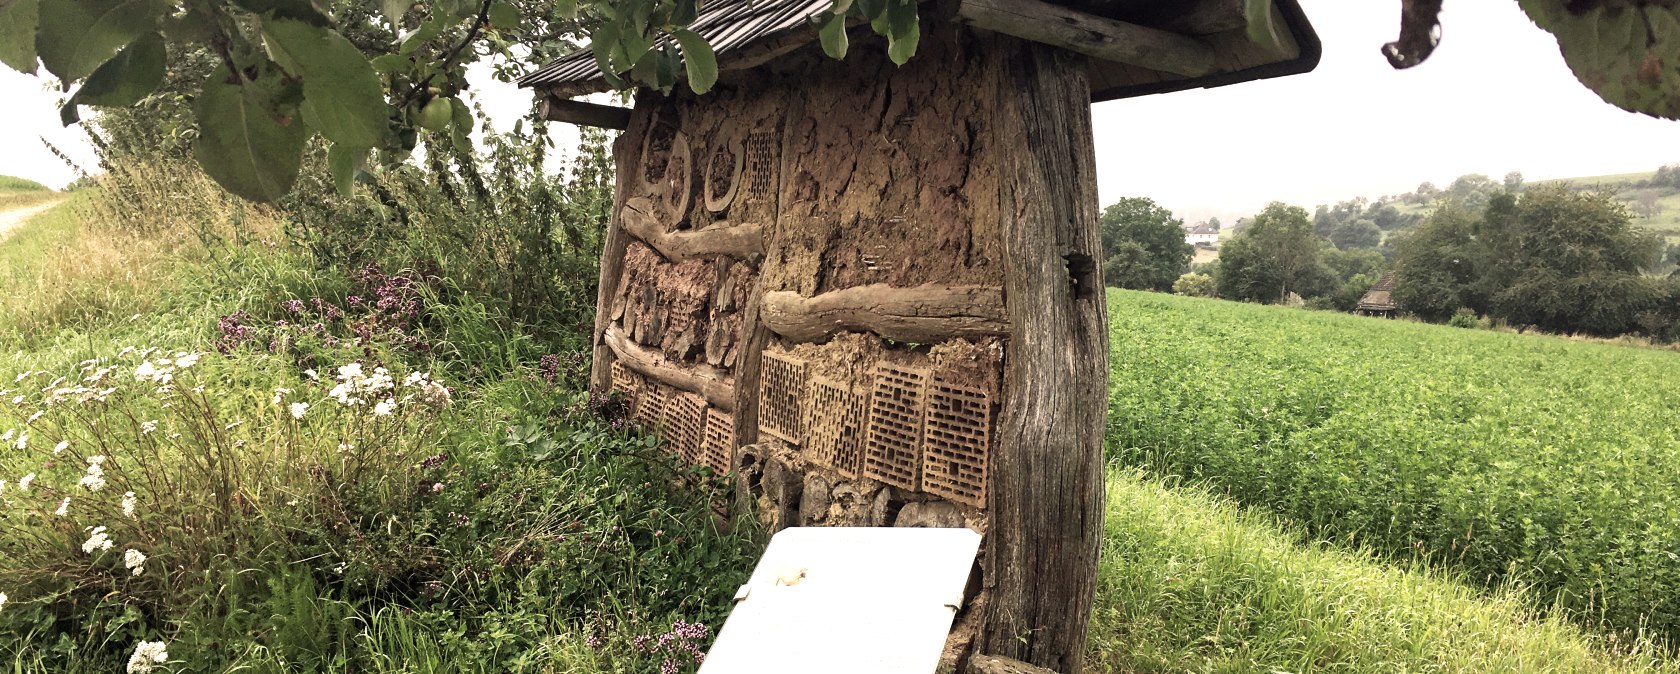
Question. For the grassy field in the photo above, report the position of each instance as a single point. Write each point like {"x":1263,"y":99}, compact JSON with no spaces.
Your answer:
{"x":1192,"y":582}
{"x":18,"y":192}
{"x":507,"y":531}
{"x":1507,"y":457}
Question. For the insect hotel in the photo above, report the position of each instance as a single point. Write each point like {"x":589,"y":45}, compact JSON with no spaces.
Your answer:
{"x":873,"y":292}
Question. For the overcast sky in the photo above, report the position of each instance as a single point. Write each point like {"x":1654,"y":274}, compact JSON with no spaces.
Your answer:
{"x":1495,"y":97}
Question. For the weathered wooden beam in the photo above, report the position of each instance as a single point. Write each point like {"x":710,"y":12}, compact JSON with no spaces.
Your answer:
{"x":1202,"y":17}
{"x":1091,"y":35}
{"x":710,"y":383}
{"x":626,"y":155}
{"x":927,"y":313}
{"x":584,"y":113}
{"x":742,"y":242}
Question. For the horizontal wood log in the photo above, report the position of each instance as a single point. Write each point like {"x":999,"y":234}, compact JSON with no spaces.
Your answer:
{"x":742,"y":242}
{"x":1202,"y":17}
{"x":927,"y":313}
{"x":584,"y":113}
{"x":710,"y":383}
{"x":1091,"y":35}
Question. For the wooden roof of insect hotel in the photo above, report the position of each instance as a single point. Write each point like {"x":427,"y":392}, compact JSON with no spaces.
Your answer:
{"x":1137,"y":47}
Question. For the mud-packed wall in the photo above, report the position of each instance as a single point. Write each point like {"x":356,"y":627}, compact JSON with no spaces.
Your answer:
{"x":814,"y":245}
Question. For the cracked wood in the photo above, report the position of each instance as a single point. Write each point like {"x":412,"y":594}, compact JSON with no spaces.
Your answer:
{"x":742,"y":242}
{"x":710,"y":383}
{"x":926,"y":313}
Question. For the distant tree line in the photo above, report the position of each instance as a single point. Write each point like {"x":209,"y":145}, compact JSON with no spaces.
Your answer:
{"x":1552,"y":256}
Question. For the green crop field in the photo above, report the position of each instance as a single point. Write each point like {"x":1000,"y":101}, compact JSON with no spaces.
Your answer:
{"x":1507,"y":458}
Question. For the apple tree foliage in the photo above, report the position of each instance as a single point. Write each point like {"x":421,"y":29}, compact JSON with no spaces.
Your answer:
{"x":367,"y":76}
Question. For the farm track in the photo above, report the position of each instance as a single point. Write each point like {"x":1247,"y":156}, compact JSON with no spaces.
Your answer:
{"x":11,"y":219}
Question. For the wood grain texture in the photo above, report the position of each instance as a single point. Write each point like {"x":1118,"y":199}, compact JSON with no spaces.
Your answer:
{"x":627,"y":158}
{"x":1047,"y":481}
{"x":716,"y":386}
{"x":927,"y":313}
{"x":742,"y":242}
{"x":1092,"y":35}
{"x":584,"y":113}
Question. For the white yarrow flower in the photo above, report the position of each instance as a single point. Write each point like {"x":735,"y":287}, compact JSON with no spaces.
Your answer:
{"x":97,"y":540}
{"x":384,"y":408}
{"x":298,"y":410}
{"x":23,"y":484}
{"x":146,"y":370}
{"x":128,"y":504}
{"x":36,"y":415}
{"x":10,"y":433}
{"x":3,"y":599}
{"x":312,"y":375}
{"x":63,"y":507}
{"x":187,"y":361}
{"x":147,"y":654}
{"x":280,"y":395}
{"x":147,"y":427}
{"x":22,"y":441}
{"x":351,"y":371}
{"x":134,"y":561}
{"x":61,"y":446}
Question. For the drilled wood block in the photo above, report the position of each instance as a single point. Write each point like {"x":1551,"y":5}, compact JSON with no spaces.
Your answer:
{"x":718,"y":449}
{"x":781,"y":388}
{"x":685,"y":425}
{"x":897,"y":410}
{"x":957,"y":442}
{"x":835,"y":419}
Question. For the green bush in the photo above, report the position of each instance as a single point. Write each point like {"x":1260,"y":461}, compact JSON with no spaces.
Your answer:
{"x":1464,"y":318}
{"x":1509,"y":457}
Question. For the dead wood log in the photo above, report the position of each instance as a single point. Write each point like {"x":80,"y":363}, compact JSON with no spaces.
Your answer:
{"x":1091,"y":35}
{"x":710,"y":383}
{"x":584,"y":113}
{"x":742,"y":242}
{"x":927,"y":313}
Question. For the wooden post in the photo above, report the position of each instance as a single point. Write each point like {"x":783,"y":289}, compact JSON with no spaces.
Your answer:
{"x":626,"y":159}
{"x":1047,"y":486}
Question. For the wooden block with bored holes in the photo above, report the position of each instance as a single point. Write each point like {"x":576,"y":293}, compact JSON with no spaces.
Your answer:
{"x":781,"y":390}
{"x":897,"y":410}
{"x":685,"y":425}
{"x":957,"y":442}
{"x":835,"y":417}
{"x":718,"y":449}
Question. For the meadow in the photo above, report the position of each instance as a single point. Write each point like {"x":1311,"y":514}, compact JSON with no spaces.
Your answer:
{"x":1505,"y":459}
{"x":227,"y":452}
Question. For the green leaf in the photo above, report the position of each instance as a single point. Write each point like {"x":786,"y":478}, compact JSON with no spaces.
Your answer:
{"x":244,"y":143}
{"x":461,"y":126}
{"x":342,"y":95}
{"x":833,"y":37}
{"x":394,"y":10}
{"x":698,"y":60}
{"x":428,"y":29}
{"x":344,"y":161}
{"x":129,"y":76}
{"x":18,"y":19}
{"x":905,"y":31}
{"x":1629,"y":56}
{"x":76,"y":36}
{"x":297,"y":10}
{"x":503,"y":15}
{"x":390,"y":63}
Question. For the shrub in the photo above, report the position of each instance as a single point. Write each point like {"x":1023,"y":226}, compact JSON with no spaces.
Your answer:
{"x":1464,"y":318}
{"x":1195,"y":284}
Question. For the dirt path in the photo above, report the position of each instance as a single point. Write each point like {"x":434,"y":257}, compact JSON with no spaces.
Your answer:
{"x":14,"y":218}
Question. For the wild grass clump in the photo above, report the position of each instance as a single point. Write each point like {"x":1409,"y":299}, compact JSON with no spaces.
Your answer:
{"x":1508,"y":458}
{"x":16,"y":184}
{"x":1193,"y":583}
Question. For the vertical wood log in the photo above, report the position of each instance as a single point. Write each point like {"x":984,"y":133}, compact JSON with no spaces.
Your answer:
{"x":627,"y":161}
{"x":1047,"y":488}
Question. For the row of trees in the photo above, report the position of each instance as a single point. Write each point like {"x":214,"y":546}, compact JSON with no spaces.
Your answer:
{"x":1550,"y":257}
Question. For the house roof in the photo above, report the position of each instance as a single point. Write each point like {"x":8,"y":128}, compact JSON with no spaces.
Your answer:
{"x":731,"y":26}
{"x":1381,"y":295}
{"x":1201,"y":229}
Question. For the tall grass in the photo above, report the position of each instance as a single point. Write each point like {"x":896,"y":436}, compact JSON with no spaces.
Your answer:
{"x":16,"y":184}
{"x":1191,"y":582}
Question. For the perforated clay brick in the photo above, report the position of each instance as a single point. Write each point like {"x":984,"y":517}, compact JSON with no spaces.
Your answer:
{"x":761,"y":164}
{"x":893,"y":445}
{"x":685,"y":425}
{"x":957,"y":442}
{"x":627,"y":383}
{"x":835,"y":418}
{"x":718,"y":450}
{"x":650,"y":409}
{"x":781,"y":386}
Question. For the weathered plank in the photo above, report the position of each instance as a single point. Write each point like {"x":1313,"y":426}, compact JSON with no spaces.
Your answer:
{"x":626,"y":159}
{"x":741,"y":242}
{"x":1092,"y":35}
{"x":584,"y":113}
{"x":926,"y":313}
{"x":711,"y":383}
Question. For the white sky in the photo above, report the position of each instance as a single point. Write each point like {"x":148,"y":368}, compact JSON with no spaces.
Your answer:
{"x":1495,"y":97}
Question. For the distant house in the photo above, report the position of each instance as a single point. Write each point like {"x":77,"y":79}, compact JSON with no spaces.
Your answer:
{"x":1379,"y":300}
{"x":1201,"y":234}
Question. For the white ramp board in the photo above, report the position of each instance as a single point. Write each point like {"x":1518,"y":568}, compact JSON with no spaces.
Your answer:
{"x":831,"y":600}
